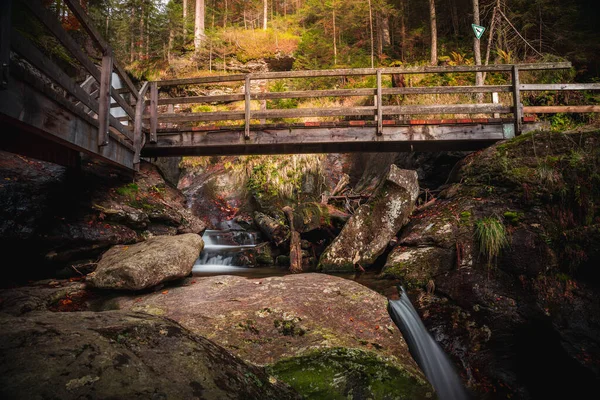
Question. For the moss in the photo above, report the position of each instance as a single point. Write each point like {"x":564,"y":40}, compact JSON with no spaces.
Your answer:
{"x":513,"y":217}
{"x":343,"y":373}
{"x":129,"y":190}
{"x":289,"y":327}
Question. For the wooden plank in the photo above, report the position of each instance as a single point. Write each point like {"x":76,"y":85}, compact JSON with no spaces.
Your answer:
{"x":137,"y":130}
{"x":447,"y":109}
{"x":560,"y":86}
{"x":560,"y":109}
{"x":83,"y":18}
{"x":314,"y":94}
{"x":104,"y":99}
{"x":410,"y":70}
{"x":153,"y":111}
{"x":448,"y":89}
{"x":5,"y":29}
{"x":121,"y":102}
{"x":319,"y":139}
{"x":202,"y":99}
{"x":197,"y":117}
{"x":379,"y":105}
{"x":45,"y":65}
{"x":202,"y":80}
{"x":125,"y":78}
{"x":40,"y":109}
{"x":50,"y":21}
{"x":247,"y":113}
{"x":315,"y":112}
{"x":518,"y":107}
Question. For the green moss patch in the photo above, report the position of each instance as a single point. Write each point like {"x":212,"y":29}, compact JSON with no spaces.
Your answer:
{"x":343,"y":373}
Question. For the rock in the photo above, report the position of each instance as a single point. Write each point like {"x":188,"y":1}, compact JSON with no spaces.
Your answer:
{"x":270,"y":320}
{"x":275,"y":231}
{"x":415,"y":266}
{"x":370,"y":229}
{"x":120,"y":355}
{"x":148,"y":263}
{"x":283,"y":260}
{"x":125,"y":215}
{"x":311,"y":216}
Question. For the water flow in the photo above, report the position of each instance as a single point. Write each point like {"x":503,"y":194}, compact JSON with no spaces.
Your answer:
{"x":425,"y":350}
{"x":223,"y":250}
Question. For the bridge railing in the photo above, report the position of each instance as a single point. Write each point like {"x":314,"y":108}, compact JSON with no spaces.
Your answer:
{"x":377,"y":111}
{"x":91,"y":100}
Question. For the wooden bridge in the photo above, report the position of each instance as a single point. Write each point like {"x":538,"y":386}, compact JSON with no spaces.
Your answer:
{"x":49,"y":115}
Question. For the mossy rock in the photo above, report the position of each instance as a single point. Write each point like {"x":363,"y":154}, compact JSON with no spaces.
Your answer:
{"x":343,"y":373}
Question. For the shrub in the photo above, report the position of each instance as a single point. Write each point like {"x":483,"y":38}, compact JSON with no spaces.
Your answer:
{"x":491,"y":237}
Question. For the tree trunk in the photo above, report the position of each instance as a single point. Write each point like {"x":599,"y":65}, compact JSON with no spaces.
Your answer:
{"x":434,"y":59}
{"x":199,"y":25}
{"x":265,"y":11}
{"x":275,"y":231}
{"x":403,"y":30}
{"x":371,"y":29}
{"x":295,"y":249}
{"x":334,"y":34}
{"x":185,"y":7}
{"x":477,"y":47}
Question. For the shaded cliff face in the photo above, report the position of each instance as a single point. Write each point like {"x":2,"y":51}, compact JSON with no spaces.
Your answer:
{"x":512,"y":247}
{"x":54,"y":218}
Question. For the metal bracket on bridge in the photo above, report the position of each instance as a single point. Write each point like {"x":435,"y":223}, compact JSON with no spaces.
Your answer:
{"x":4,"y":76}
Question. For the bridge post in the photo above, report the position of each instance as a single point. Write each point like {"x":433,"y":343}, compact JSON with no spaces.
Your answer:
{"x":104,"y":98}
{"x":153,"y":111}
{"x":379,"y":105}
{"x":138,"y":141}
{"x":518,"y":112}
{"x":5,"y":25}
{"x":247,"y":107}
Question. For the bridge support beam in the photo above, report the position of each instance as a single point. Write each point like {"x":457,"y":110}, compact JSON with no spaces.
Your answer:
{"x":104,"y":98}
{"x":303,"y":139}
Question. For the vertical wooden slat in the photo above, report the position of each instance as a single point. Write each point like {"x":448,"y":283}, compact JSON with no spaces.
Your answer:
{"x":153,"y":111}
{"x":247,"y":107}
{"x":379,"y":105}
{"x":495,"y":100}
{"x":137,"y":129}
{"x":5,"y":25}
{"x":104,"y":98}
{"x":517,"y":100}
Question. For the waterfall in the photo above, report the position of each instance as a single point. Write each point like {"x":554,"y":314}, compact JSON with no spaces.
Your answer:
{"x":224,"y":250}
{"x":425,"y":350}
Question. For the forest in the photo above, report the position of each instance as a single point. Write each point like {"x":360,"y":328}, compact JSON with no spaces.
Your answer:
{"x":158,"y":37}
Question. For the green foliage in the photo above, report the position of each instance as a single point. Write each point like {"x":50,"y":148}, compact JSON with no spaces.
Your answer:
{"x":513,"y":217}
{"x":130,"y":190}
{"x":491,"y":237}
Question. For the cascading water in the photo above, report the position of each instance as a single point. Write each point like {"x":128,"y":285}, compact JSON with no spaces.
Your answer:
{"x":425,"y":350}
{"x":224,"y":250}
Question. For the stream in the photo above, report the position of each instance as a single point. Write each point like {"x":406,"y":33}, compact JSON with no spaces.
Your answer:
{"x":225,"y":253}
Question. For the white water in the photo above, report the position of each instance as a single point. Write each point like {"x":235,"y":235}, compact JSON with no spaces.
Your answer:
{"x":221,"y":249}
{"x":425,"y":350}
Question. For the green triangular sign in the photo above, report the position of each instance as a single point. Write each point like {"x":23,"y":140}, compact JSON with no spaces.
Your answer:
{"x":478,"y":30}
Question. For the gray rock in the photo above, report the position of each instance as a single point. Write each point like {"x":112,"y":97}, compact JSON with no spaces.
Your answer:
{"x":416,"y":265}
{"x":148,"y":263}
{"x":120,"y":355}
{"x":368,"y":232}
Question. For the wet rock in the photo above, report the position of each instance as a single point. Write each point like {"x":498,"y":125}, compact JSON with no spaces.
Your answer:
{"x":368,"y":232}
{"x":268,"y":320}
{"x":416,"y":265}
{"x":120,"y":355}
{"x":148,"y":263}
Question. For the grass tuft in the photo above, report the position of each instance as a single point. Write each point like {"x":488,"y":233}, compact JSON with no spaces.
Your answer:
{"x":491,"y":237}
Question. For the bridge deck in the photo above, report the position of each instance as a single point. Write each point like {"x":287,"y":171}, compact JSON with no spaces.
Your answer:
{"x":47,"y":114}
{"x":335,"y":137}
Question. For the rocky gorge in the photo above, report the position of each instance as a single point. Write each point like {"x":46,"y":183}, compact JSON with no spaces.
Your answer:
{"x":498,"y":250}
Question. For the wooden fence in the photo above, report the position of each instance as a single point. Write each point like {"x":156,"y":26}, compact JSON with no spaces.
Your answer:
{"x":378,"y":111}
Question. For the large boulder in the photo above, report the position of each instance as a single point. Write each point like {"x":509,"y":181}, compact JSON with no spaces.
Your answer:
{"x":120,"y":355}
{"x":290,"y":323}
{"x":368,"y":232}
{"x":148,"y":263}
